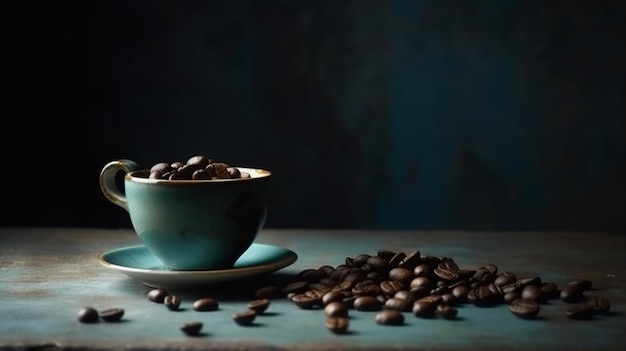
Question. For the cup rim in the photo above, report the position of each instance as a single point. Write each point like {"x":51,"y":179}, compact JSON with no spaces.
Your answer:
{"x":255,"y":173}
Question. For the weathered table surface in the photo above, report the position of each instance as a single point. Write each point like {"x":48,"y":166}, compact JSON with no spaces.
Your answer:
{"x":48,"y":274}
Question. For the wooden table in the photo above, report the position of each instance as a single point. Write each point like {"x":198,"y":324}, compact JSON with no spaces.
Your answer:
{"x":48,"y":274}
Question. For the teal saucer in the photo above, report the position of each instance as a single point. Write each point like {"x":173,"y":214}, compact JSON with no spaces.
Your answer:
{"x":138,"y":262}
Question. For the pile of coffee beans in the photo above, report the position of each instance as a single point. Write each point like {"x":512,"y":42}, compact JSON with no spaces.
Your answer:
{"x":199,"y":167}
{"x":394,"y":283}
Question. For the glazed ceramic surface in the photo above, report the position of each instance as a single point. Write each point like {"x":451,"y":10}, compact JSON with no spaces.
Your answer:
{"x":140,"y":263}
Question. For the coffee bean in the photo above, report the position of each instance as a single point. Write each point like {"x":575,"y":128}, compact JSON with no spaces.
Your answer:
{"x":268,"y":292}
{"x":245,"y":317}
{"x":524,"y":308}
{"x":337,"y":325}
{"x":581,"y":311}
{"x":172,"y":302}
{"x":298,"y":287}
{"x":397,"y":304}
{"x":572,"y":293}
{"x":112,"y":314}
{"x":425,"y":307}
{"x":206,"y":304}
{"x":259,"y":305}
{"x":192,"y":328}
{"x":446,"y":311}
{"x":336,"y":309}
{"x":600,"y":305}
{"x":534,"y":293}
{"x":157,"y":295}
{"x":88,"y":315}
{"x":389,"y":317}
{"x":305,"y":301}
{"x":367,"y":303}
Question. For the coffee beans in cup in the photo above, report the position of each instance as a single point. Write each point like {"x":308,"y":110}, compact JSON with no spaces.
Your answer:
{"x":199,"y":167}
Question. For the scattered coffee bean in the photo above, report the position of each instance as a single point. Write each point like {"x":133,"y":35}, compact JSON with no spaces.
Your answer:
{"x":524,"y":308}
{"x":157,"y":295}
{"x":88,"y":315}
{"x":367,"y":303}
{"x":192,"y":328}
{"x":389,"y":317}
{"x":581,"y":311}
{"x":337,"y":325}
{"x":336,"y":309}
{"x":446,"y":311}
{"x":306,"y":301}
{"x":172,"y":302}
{"x":112,"y":314}
{"x":245,"y":317}
{"x":572,"y":293}
{"x":205,"y":304}
{"x":259,"y":305}
{"x":269,"y":292}
{"x":600,"y":305}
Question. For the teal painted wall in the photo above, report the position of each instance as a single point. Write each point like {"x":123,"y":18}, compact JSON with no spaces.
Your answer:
{"x":372,"y":114}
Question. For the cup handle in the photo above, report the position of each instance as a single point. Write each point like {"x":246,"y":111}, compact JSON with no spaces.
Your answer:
{"x":108,"y":183}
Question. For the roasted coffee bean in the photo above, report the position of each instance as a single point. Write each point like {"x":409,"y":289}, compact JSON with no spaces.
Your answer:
{"x":505,"y":278}
{"x":411,"y":260}
{"x":360,"y":260}
{"x":408,"y":295}
{"x":550,"y":291}
{"x":600,"y":305}
{"x":337,"y":325}
{"x":336,"y":309}
{"x":397,"y":304}
{"x":259,"y":305}
{"x":297,"y":287}
{"x":572,"y":293}
{"x":485,"y":274}
{"x":524,"y":308}
{"x":389,"y":317}
{"x":448,"y":299}
{"x":206,"y":304}
{"x":201,"y":160}
{"x":310,"y":275}
{"x":245,"y":317}
{"x":403,"y":275}
{"x":395,"y":261}
{"x":446,"y":311}
{"x":390,"y":287}
{"x":88,"y":315}
{"x":385,"y":254}
{"x":483,"y":296}
{"x":421,"y":282}
{"x":377,"y":264}
{"x":511,"y":296}
{"x":583,"y":284}
{"x":192,"y":328}
{"x":534,"y":293}
{"x":333,"y":296}
{"x":369,"y":288}
{"x":305,"y":301}
{"x":112,"y":314}
{"x":367,"y":303}
{"x":581,"y":311}
{"x":157,"y":295}
{"x":426,"y":306}
{"x":460,"y":293}
{"x":172,"y":302}
{"x":422,"y":270}
{"x":268,"y":292}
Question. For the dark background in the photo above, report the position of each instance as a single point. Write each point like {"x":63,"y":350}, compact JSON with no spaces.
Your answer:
{"x":488,"y":115}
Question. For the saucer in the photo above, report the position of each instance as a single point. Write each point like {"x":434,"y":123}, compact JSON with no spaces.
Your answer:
{"x":138,"y":262}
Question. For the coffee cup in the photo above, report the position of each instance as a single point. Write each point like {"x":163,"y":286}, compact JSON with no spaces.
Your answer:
{"x":190,"y":224}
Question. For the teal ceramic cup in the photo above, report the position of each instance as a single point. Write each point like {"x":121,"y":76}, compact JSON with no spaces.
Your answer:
{"x":190,"y":224}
